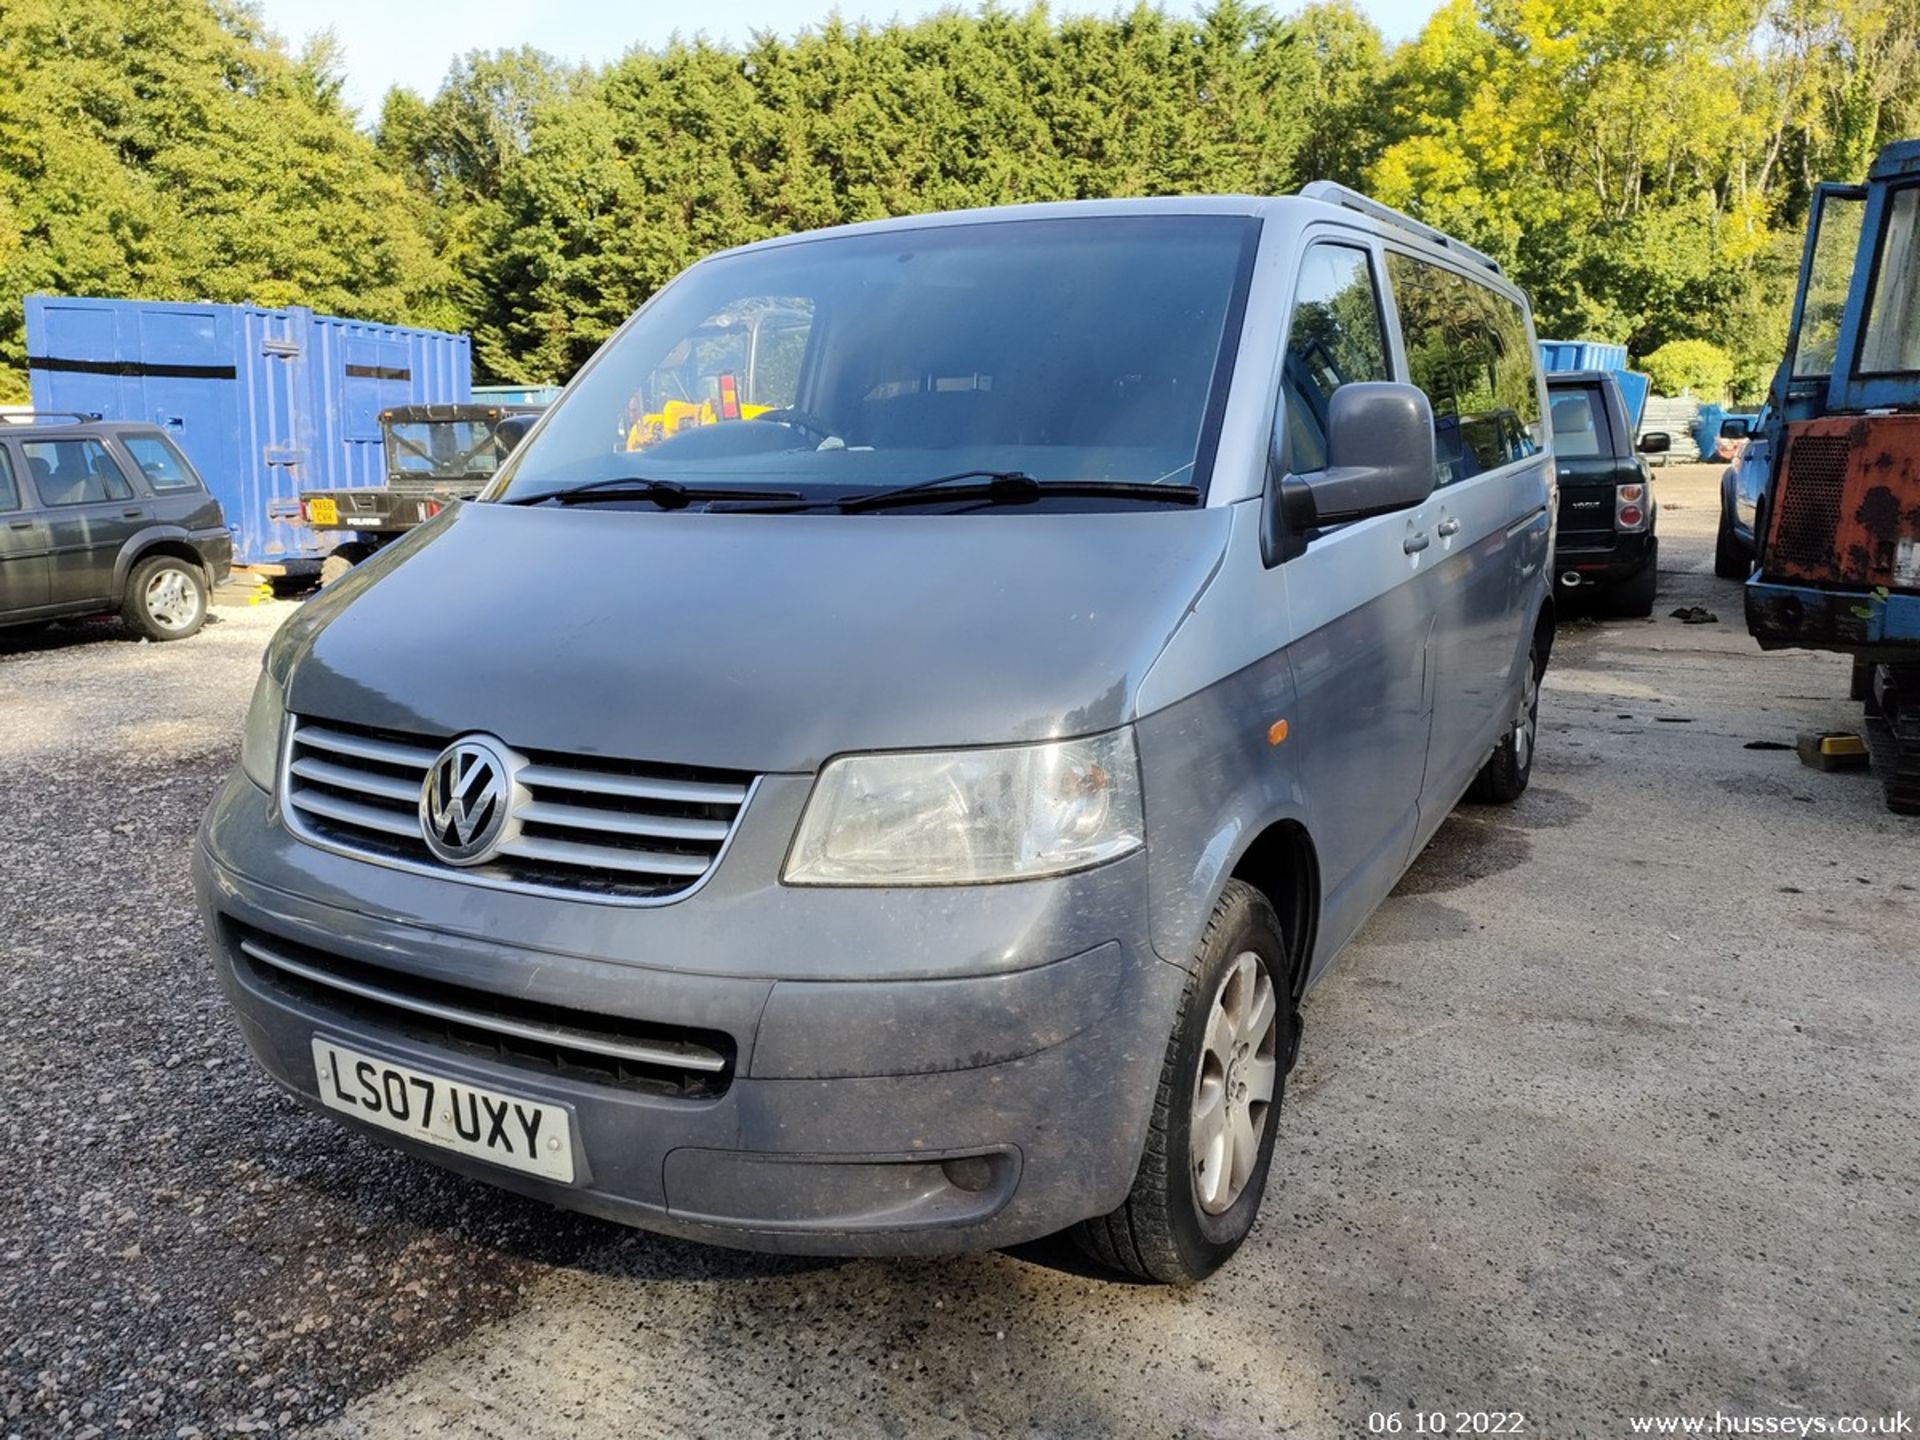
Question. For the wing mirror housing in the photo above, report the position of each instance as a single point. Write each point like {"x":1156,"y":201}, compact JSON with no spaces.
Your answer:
{"x":1655,"y":442}
{"x":512,"y":430}
{"x":1380,"y":458}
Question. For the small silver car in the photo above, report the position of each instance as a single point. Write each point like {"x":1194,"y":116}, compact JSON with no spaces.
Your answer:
{"x":878,"y":769}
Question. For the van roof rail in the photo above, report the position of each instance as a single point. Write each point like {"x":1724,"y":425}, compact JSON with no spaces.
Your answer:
{"x":35,"y":417}
{"x":1331,"y":193}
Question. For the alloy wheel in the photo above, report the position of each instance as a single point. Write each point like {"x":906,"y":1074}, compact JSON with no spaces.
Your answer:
{"x":171,"y":601}
{"x":1528,"y":721}
{"x":1233,"y":1092}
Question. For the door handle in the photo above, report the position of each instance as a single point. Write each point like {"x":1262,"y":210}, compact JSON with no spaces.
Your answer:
{"x":1414,"y":544}
{"x":1448,"y":528}
{"x":21,"y":525}
{"x":133,"y":514}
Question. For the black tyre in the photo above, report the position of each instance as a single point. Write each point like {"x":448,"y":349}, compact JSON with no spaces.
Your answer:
{"x":1893,"y":735}
{"x":1503,"y":779}
{"x":166,"y":598}
{"x":1210,"y":1140}
{"x":1634,"y":597}
{"x":1730,"y":558}
{"x":1860,"y":687}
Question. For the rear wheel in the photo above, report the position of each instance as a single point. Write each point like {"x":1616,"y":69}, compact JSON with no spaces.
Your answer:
{"x":1893,"y":735}
{"x":1210,"y":1140}
{"x":1503,"y":779}
{"x":166,"y":598}
{"x":1634,"y":597}
{"x":1730,"y":558}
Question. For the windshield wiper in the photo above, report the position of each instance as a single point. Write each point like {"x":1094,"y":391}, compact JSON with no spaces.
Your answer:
{"x":667,"y":494}
{"x":994,"y":487}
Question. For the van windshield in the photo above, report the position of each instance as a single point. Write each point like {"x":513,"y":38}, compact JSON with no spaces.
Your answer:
{"x":1065,"y":349}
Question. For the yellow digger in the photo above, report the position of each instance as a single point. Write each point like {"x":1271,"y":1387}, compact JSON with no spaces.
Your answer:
{"x":726,"y":370}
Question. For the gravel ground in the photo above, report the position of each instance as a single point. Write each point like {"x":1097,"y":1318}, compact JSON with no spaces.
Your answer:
{"x":1614,"y":1109}
{"x":180,"y":1245}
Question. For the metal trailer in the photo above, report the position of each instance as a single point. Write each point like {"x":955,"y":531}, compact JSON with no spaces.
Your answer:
{"x":436,"y":454}
{"x":266,"y":403}
{"x":1838,"y":522}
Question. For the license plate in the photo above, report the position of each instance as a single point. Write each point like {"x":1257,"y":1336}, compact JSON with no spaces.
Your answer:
{"x":503,"y":1129}
{"x":322,"y":512}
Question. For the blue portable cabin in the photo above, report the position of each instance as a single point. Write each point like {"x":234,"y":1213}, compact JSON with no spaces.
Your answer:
{"x":266,"y":403}
{"x":1600,"y":355}
{"x":516,"y":394}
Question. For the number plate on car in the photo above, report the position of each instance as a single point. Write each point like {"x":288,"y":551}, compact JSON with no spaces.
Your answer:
{"x":520,"y":1134}
{"x":323,"y":512}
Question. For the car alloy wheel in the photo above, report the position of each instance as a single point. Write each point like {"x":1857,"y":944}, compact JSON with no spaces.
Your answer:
{"x":171,"y":600}
{"x":1239,"y":1070}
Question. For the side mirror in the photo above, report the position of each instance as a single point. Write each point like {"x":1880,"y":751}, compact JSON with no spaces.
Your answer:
{"x":1735,"y":429}
{"x":1380,"y":457}
{"x":1380,"y":452}
{"x":512,"y":430}
{"x":1655,"y":442}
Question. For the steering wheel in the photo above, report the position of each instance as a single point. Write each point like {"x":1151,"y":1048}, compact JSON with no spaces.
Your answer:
{"x":794,"y":418}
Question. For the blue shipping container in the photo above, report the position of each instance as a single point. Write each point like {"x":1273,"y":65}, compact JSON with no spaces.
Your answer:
{"x":516,"y":394}
{"x":1561,"y":355}
{"x":266,"y":403}
{"x":1582,"y":355}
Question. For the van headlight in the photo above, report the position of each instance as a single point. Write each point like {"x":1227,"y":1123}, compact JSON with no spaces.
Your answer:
{"x":260,"y":743}
{"x":970,"y":817}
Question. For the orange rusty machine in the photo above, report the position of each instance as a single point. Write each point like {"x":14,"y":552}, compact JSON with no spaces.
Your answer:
{"x":1838,"y":526}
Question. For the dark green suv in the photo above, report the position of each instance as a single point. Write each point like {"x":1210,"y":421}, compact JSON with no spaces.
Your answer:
{"x":98,"y":517}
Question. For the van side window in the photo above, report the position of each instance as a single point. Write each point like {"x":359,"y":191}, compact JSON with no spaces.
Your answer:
{"x":1333,"y":339}
{"x":9,"y":490}
{"x":1467,"y":347}
{"x":74,"y":472}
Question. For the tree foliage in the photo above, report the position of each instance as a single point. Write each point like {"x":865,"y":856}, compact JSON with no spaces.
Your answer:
{"x":1690,"y":367}
{"x":1642,"y":166}
{"x":168,"y":148}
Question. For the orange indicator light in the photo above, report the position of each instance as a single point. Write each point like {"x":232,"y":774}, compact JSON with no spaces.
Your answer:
{"x":1276,"y":732}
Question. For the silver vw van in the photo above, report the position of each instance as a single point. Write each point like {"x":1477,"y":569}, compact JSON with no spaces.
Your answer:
{"x":878,"y":769}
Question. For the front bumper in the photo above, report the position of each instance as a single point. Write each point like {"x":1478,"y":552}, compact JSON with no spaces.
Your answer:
{"x":875,"y":1037}
{"x":1868,"y":625}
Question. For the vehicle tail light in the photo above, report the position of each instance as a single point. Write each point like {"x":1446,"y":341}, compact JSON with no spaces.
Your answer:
{"x":306,"y":515}
{"x":1630,"y":507}
{"x":433,"y":508}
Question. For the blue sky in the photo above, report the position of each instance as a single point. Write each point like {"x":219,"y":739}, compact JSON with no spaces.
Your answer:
{"x":411,"y":42}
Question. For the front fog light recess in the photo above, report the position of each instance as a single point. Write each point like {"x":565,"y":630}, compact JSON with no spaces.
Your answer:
{"x":260,"y":742}
{"x":970,"y":817}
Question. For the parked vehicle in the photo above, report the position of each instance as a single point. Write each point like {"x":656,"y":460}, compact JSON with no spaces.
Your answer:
{"x":266,"y":403}
{"x":436,"y":454}
{"x":1838,"y":566}
{"x":1730,"y":436}
{"x":103,"y":516}
{"x":1635,"y":387}
{"x":1741,"y":486}
{"x":907,"y":820}
{"x":1606,"y":541}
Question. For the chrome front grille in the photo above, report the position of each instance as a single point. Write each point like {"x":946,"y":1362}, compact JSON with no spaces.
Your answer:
{"x":617,"y":829}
